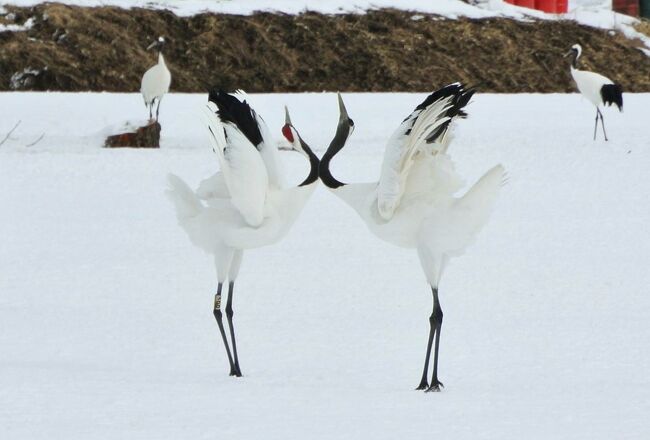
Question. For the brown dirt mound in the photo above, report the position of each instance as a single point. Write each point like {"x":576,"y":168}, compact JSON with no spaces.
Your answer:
{"x":72,"y":49}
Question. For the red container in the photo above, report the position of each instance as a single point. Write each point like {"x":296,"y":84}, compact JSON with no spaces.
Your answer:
{"x":562,"y":6}
{"x":629,"y":7}
{"x":549,"y":6}
{"x":525,"y":3}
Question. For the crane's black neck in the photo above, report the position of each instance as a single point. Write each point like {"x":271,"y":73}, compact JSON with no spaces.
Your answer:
{"x":574,"y":59}
{"x":313,"y":164}
{"x":337,"y":144}
{"x":160,"y":46}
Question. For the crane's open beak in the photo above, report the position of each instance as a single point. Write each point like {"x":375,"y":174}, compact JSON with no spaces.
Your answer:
{"x":343,"y":116}
{"x":152,"y":45}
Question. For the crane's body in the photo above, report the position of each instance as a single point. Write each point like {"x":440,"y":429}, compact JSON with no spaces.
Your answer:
{"x":590,"y":84}
{"x":596,"y":88}
{"x":215,"y":222}
{"x":245,"y":205}
{"x":428,"y":208}
{"x":156,"y":80}
{"x":414,"y":204}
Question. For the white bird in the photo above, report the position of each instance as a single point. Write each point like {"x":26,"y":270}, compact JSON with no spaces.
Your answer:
{"x":598,"y":89}
{"x":246,"y":205}
{"x":156,"y":80}
{"x":413,"y":204}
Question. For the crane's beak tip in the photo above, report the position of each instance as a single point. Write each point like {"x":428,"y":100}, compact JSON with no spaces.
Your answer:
{"x":287,"y":118}
{"x":342,"y":109}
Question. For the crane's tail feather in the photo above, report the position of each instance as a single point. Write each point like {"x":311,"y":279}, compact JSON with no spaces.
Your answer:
{"x":506,"y":178}
{"x":484,"y":192}
{"x":612,"y":94}
{"x":476,"y":206}
{"x":185,"y":201}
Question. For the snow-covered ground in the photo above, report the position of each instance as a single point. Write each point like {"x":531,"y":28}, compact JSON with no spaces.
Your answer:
{"x":106,"y":326}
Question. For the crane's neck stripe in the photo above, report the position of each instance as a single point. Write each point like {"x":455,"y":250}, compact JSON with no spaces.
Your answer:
{"x":314,"y":163}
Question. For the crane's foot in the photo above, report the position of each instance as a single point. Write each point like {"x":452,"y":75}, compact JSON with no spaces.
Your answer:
{"x":423,"y":385}
{"x":235,"y":371}
{"x":434,"y":387}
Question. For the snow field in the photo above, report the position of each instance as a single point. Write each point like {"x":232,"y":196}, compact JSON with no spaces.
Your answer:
{"x":106,"y":326}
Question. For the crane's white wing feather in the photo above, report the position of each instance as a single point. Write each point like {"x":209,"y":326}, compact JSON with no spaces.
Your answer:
{"x":402,"y":149}
{"x":268,"y":148}
{"x":270,"y":155}
{"x":241,"y":164}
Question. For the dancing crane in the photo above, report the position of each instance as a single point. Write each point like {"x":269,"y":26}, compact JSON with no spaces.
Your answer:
{"x":245,"y":205}
{"x":413,"y":204}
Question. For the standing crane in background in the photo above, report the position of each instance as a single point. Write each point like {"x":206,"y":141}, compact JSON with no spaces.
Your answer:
{"x":598,"y":89}
{"x":413,"y":204}
{"x":156,"y":80}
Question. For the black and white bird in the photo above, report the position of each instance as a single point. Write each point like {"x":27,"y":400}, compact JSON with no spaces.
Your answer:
{"x":413,"y":204}
{"x":598,"y":89}
{"x":156,"y":80}
{"x":244,"y":206}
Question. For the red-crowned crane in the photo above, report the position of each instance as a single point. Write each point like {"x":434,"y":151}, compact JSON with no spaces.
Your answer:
{"x":156,"y":80}
{"x":598,"y":89}
{"x":246,"y":204}
{"x":413,"y":204}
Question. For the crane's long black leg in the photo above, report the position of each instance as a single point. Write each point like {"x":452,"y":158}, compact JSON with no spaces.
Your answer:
{"x":423,"y":382}
{"x":234,"y":370}
{"x":158,"y":108}
{"x":150,"y":110}
{"x":596,"y":124}
{"x":437,"y":322}
{"x":433,"y":324}
{"x":602,"y":123}
{"x":218,"y":317}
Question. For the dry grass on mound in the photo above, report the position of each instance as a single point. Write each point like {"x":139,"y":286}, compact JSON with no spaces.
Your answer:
{"x":72,"y":48}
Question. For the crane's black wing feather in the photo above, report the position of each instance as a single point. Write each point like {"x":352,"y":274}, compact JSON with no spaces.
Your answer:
{"x":231,"y":109}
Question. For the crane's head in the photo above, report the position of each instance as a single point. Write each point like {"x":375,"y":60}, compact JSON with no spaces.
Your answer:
{"x":291,"y":134}
{"x":346,"y":124}
{"x":297,"y":144}
{"x":344,"y":129}
{"x":576,"y":51}
{"x":158,"y":44}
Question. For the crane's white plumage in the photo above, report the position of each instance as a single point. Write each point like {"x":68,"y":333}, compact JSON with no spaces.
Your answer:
{"x":589,"y":84}
{"x":156,"y":80}
{"x":269,"y":152}
{"x":414,"y":204}
{"x":405,"y":144}
{"x":239,"y":207}
{"x":598,"y":89}
{"x":242,"y":166}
